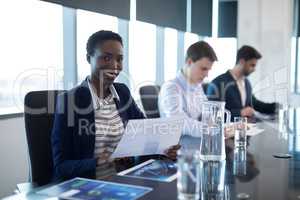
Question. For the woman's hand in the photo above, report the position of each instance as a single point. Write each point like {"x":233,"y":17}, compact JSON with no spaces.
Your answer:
{"x":172,"y":151}
{"x":229,"y":131}
{"x":103,"y":158}
{"x":124,"y":160}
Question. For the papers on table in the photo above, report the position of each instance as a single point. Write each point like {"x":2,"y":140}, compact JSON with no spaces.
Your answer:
{"x":262,"y":116}
{"x":158,"y":170}
{"x":253,"y":130}
{"x":149,"y":136}
{"x":81,"y":189}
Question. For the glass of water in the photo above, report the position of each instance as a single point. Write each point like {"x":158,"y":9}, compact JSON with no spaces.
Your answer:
{"x":212,"y":180}
{"x":240,"y":130}
{"x":188,"y":174}
{"x":212,"y":147}
{"x":240,"y":161}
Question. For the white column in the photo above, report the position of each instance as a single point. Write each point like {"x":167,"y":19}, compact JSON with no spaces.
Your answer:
{"x":267,"y":26}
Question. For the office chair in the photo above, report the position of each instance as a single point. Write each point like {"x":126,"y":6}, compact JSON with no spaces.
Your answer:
{"x":39,"y":109}
{"x":149,"y":99}
{"x":205,"y":86}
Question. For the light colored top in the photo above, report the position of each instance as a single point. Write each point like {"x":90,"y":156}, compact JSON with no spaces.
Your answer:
{"x":109,"y":130}
{"x":179,"y":97}
{"x":242,"y":89}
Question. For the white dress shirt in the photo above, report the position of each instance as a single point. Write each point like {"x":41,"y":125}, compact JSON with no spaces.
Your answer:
{"x":179,"y":97}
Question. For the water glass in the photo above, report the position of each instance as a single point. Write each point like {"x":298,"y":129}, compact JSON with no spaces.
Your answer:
{"x":212,"y":144}
{"x":240,"y":161}
{"x":283,"y":121}
{"x":188,"y":175}
{"x":212,"y":179}
{"x":240,"y":130}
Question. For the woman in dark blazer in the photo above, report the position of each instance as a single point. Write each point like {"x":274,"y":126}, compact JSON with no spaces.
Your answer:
{"x":75,"y":124}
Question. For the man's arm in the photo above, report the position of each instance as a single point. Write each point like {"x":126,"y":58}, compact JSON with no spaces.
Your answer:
{"x":262,"y":107}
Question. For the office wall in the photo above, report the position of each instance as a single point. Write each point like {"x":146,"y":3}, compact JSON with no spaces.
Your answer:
{"x":13,"y":155}
{"x":267,"y":25}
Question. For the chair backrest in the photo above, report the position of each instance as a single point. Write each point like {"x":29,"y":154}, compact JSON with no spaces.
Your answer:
{"x":149,"y":98}
{"x":39,"y":116}
{"x":205,"y":86}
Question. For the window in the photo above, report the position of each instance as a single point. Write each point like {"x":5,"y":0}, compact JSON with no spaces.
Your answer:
{"x":295,"y":62}
{"x":297,"y":136}
{"x":87,"y":24}
{"x":189,"y":39}
{"x":170,"y":53}
{"x":31,"y":50}
{"x":297,"y":78}
{"x":295,"y":52}
{"x":225,"y":49}
{"x":142,"y":55}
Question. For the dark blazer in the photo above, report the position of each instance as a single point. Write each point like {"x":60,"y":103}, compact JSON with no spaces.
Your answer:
{"x":224,"y":88}
{"x":73,"y":134}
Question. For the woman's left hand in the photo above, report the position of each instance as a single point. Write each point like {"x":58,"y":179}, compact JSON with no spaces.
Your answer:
{"x":229,"y":131}
{"x":172,"y":151}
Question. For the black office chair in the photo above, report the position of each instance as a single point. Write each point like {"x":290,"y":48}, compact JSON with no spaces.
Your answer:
{"x":39,"y":115}
{"x":205,"y":86}
{"x":149,"y":98}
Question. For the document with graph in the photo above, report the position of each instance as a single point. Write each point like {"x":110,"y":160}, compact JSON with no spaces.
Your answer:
{"x":149,"y":136}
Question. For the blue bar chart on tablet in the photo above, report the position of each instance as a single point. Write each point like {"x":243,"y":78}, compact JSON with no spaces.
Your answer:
{"x":157,"y":170}
{"x":79,"y":189}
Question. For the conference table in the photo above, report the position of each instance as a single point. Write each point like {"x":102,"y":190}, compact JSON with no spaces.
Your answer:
{"x":266,"y":176}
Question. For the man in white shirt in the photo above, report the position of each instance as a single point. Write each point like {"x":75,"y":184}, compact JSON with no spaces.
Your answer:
{"x":183,"y":95}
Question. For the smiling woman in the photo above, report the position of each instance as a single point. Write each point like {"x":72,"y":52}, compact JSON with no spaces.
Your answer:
{"x":88,"y":23}
{"x":90,"y":118}
{"x":105,"y":55}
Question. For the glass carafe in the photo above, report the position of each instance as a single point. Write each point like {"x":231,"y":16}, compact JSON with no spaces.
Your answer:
{"x":213,"y":124}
